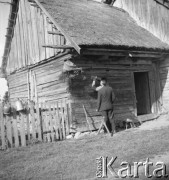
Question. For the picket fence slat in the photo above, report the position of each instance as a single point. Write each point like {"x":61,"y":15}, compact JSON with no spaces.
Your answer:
{"x":9,"y":131}
{"x":38,"y":122}
{"x":32,"y":120}
{"x":63,"y":122}
{"x":2,"y":130}
{"x":59,"y":121}
{"x":16,"y":138}
{"x":22,"y":130}
{"x":43,"y":122}
{"x":55,"y":118}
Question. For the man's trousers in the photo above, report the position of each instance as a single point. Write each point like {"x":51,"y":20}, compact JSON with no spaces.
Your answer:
{"x":109,"y":120}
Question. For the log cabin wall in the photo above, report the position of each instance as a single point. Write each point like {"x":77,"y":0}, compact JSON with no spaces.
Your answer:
{"x":18,"y":86}
{"x":43,"y":83}
{"x":48,"y":82}
{"x":164,"y":78}
{"x":32,"y":31}
{"x":149,"y":14}
{"x":120,"y":75}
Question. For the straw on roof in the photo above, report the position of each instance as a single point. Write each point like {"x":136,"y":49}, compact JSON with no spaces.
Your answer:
{"x":91,"y":23}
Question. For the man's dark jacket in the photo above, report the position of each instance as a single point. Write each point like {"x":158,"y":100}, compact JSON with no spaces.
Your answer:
{"x":105,"y":98}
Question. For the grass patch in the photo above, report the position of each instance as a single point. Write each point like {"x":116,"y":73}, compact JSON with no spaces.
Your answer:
{"x":76,"y":159}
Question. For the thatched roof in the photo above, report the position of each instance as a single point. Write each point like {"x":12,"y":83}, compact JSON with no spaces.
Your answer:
{"x":91,"y":23}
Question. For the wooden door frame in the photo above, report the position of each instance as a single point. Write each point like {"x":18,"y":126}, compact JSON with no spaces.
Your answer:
{"x":155,"y":89}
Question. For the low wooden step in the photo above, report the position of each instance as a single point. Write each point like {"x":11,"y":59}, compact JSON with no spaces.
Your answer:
{"x":147,"y":117}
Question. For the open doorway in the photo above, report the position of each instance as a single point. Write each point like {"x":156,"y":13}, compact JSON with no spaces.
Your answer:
{"x":142,"y":91}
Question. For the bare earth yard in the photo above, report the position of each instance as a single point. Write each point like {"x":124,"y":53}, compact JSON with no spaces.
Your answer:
{"x":76,"y":159}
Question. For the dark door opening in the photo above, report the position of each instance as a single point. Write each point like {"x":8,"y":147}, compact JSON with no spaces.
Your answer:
{"x":142,"y":91}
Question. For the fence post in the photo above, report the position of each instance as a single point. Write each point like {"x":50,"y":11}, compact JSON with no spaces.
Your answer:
{"x":15,"y":128}
{"x":2,"y":126}
{"x":39,"y":122}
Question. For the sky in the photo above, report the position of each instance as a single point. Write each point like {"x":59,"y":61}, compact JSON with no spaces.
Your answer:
{"x":4,"y":13}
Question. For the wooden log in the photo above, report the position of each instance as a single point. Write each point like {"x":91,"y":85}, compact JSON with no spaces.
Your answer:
{"x":58,"y":47}
{"x":55,"y":33}
{"x":2,"y":126}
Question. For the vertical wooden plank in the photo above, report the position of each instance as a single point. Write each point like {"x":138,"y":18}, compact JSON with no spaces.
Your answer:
{"x":43,"y":122}
{"x":46,"y":37}
{"x":9,"y":130}
{"x":22,"y":129}
{"x":50,"y":40}
{"x":19,"y":52}
{"x":24,"y":29}
{"x":34,"y":34}
{"x":47,"y":121}
{"x":30,"y":33}
{"x":70,"y":114}
{"x":2,"y":126}
{"x":55,"y":118}
{"x":66,"y":116}
{"x":21,"y":34}
{"x":33,"y":120}
{"x":55,"y":40}
{"x":157,"y":88}
{"x":59,"y":121}
{"x":63,"y":119}
{"x":51,"y":122}
{"x":39,"y":122}
{"x":15,"y":128}
{"x":28,"y":120}
{"x":134,"y":94}
{"x":152,"y":90}
{"x":39,"y":20}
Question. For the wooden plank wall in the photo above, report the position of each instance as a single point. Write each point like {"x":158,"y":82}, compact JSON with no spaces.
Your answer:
{"x":18,"y":86}
{"x":120,"y":77}
{"x":30,"y":33}
{"x":148,"y":14}
{"x":42,"y":83}
{"x":164,"y":78}
{"x":47,"y":81}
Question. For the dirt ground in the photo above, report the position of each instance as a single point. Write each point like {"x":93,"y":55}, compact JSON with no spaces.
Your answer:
{"x":162,"y":121}
{"x":75,"y":159}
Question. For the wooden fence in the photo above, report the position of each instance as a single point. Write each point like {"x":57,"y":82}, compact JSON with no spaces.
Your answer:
{"x":38,"y":122}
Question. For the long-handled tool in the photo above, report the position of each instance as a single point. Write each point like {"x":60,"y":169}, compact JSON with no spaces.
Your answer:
{"x":87,"y":118}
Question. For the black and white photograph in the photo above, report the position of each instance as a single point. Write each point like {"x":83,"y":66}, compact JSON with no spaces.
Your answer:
{"x":84,"y":89}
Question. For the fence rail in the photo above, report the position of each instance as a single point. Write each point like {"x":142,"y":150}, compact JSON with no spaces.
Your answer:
{"x":38,"y":122}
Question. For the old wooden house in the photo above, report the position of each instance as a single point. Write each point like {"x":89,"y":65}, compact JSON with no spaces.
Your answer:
{"x":152,"y":15}
{"x":55,"y":47}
